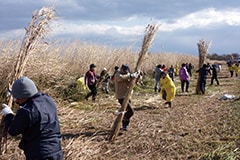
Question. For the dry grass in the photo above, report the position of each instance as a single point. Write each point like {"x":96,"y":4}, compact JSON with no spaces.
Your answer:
{"x":56,"y":65}
{"x":56,"y":59}
{"x":197,"y":127}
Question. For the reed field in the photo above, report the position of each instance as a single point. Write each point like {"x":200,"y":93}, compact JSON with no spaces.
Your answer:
{"x":66,"y":61}
{"x":196,"y":127}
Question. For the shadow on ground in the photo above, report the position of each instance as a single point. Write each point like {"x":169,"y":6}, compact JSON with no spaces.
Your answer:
{"x":145,"y":108}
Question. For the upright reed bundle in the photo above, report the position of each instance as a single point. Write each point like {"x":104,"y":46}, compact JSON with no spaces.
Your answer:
{"x":36,"y":31}
{"x":203,"y":47}
{"x":150,"y":32}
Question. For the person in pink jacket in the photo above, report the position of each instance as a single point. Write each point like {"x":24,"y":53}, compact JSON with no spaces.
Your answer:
{"x":184,"y":77}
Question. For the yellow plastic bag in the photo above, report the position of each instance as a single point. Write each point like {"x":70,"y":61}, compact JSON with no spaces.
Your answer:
{"x":81,"y":84}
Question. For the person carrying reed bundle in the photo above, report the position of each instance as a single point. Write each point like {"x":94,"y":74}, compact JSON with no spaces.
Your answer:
{"x":147,"y":40}
{"x":36,"y":120}
{"x":122,"y":82}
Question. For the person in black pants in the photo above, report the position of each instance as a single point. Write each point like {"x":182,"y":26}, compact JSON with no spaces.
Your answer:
{"x":91,"y":82}
{"x":214,"y":74}
{"x":203,"y":72}
{"x":184,"y":77}
{"x":122,"y":81}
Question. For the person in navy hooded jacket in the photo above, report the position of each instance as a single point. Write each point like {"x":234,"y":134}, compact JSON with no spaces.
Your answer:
{"x":36,"y":120}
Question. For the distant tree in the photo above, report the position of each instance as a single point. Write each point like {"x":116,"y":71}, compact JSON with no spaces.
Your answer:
{"x":215,"y":56}
{"x":235,"y":55}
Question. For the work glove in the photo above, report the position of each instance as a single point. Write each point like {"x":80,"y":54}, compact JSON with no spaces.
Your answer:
{"x":6,"y":110}
{"x":134,"y":75}
{"x":8,"y":93}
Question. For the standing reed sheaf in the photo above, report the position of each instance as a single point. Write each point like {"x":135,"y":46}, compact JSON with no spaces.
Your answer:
{"x":35,"y":33}
{"x":150,"y":32}
{"x":203,"y":47}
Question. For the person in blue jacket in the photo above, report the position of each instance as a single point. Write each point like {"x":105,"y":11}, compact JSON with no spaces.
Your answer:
{"x":36,"y":120}
{"x":157,"y":72}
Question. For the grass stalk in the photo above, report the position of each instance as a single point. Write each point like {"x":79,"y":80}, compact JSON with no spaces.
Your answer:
{"x":35,"y":33}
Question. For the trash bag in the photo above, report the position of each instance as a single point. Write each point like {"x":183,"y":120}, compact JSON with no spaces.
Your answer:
{"x":227,"y":96}
{"x":81,"y":84}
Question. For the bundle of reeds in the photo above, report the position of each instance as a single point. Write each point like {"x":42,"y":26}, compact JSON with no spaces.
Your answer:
{"x":35,"y":33}
{"x":150,"y":32}
{"x":203,"y":47}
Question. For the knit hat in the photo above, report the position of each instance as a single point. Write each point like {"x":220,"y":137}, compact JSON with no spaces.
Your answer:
{"x":24,"y":88}
{"x":125,"y":68}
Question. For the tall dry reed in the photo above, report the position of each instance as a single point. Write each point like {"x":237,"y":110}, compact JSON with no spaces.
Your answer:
{"x":35,"y":33}
{"x":203,"y":47}
{"x":150,"y":33}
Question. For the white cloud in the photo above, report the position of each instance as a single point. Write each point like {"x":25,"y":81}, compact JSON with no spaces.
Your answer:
{"x":134,"y":25}
{"x":12,"y":34}
{"x":204,"y":18}
{"x":72,"y":28}
{"x":117,"y":22}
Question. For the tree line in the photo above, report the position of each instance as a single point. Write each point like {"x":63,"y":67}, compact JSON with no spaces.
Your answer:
{"x":231,"y":56}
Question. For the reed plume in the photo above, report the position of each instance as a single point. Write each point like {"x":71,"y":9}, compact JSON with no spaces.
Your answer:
{"x":35,"y":33}
{"x":203,"y":47}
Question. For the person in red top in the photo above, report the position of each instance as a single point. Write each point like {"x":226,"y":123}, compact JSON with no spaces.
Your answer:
{"x":90,"y":80}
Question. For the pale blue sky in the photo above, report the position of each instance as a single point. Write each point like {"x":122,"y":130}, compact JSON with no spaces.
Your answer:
{"x":118,"y":23}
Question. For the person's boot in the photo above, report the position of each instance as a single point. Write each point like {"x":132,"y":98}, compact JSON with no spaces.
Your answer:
{"x":125,"y":124}
{"x":155,"y":89}
{"x":170,"y":104}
